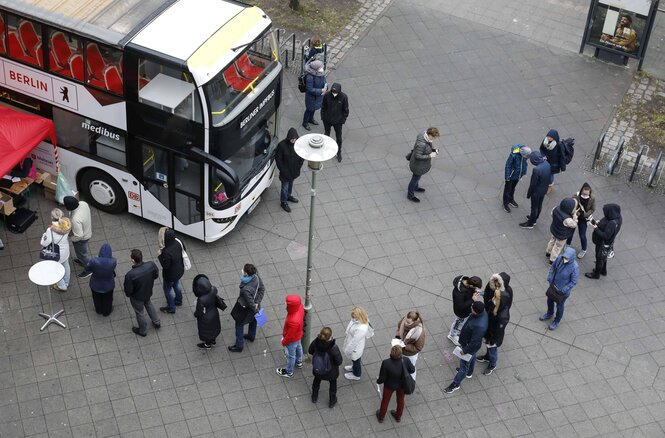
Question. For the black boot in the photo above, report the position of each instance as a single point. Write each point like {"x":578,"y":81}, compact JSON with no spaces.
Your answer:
{"x":595,"y":275}
{"x":315,"y":396}
{"x":603,"y":268}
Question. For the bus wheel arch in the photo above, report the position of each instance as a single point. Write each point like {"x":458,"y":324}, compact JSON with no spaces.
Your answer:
{"x":102,"y":190}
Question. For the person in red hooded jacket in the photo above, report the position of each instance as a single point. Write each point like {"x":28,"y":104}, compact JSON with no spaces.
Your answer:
{"x":293,"y":329}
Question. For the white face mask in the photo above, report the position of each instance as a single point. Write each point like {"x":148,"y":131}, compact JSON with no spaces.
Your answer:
{"x":334,"y":94}
{"x":584,"y":196}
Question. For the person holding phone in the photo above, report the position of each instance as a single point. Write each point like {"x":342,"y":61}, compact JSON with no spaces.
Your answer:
{"x":587,"y":205}
{"x":421,"y":161}
{"x":604,"y":233}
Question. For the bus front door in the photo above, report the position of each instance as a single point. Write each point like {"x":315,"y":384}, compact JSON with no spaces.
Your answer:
{"x":171,"y":188}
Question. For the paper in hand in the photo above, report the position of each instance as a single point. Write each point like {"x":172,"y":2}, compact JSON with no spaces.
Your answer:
{"x":458,"y":352}
{"x":396,"y":341}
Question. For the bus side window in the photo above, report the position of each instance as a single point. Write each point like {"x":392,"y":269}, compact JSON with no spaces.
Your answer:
{"x":23,"y":39}
{"x":104,"y":67}
{"x":63,"y":50}
{"x":3,"y":47}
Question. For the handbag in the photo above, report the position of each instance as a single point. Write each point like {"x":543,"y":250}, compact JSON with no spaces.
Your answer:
{"x":239,"y":312}
{"x":554,"y":294}
{"x":605,"y":251}
{"x":52,"y":250}
{"x":260,"y":318}
{"x":408,"y":384}
{"x":187,"y":263}
{"x":408,"y":156}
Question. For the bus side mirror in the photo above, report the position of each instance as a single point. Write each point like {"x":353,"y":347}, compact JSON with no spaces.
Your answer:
{"x":230,"y":183}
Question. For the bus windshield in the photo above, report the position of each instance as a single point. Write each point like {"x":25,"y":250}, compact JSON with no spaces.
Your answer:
{"x":241,"y":77}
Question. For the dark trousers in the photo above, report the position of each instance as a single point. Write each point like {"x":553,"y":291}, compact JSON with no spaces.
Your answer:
{"x":333,"y":388}
{"x":338,"y":133}
{"x":536,"y":206}
{"x":581,"y":227}
{"x":559,"y":309}
{"x":240,"y":330}
{"x":357,"y":367}
{"x":509,"y":191}
{"x":413,"y":186}
{"x":385,"y":401}
{"x":103,"y":302}
{"x":138,"y":307}
{"x":601,"y":262}
{"x":308,"y":116}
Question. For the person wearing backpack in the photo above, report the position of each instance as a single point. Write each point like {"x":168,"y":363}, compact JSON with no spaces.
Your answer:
{"x":357,"y":331}
{"x":326,"y":359}
{"x":391,"y":375}
{"x":551,"y":150}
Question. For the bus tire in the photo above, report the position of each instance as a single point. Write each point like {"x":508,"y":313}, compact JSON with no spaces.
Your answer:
{"x":103,"y":191}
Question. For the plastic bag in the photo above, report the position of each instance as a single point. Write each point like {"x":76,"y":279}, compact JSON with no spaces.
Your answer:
{"x":62,"y":188}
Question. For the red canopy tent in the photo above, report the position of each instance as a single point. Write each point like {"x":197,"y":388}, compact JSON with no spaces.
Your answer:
{"x":19,"y":134}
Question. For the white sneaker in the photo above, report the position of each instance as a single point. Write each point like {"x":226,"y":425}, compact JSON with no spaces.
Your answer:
{"x":454,"y":339}
{"x":610,"y":255}
{"x":349,"y":367}
{"x":581,"y":254}
{"x":350,"y":376}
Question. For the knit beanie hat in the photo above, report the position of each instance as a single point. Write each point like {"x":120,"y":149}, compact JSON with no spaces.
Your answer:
{"x":71,"y":203}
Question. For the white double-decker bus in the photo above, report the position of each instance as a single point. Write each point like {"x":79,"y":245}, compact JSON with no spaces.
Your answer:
{"x":163,"y":108}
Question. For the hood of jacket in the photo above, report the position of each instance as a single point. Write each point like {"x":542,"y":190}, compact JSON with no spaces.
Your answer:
{"x":336,"y":87}
{"x":569,"y":253}
{"x":612,"y":211}
{"x":293,"y":304}
{"x":201,"y":285}
{"x":506,"y":279}
{"x":536,"y":157}
{"x":169,"y":237}
{"x":585,"y":186}
{"x":324,"y":346}
{"x":554,"y":134}
{"x":292,"y":134}
{"x":313,"y":68}
{"x":568,"y":205}
{"x":106,"y":251}
{"x":62,"y":226}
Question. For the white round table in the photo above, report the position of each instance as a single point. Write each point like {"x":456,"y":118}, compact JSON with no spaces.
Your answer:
{"x":47,"y":273}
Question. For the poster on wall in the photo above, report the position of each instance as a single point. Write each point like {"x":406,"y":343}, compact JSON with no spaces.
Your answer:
{"x":620,"y":26}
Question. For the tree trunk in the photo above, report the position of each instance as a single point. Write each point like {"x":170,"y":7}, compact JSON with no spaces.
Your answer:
{"x":294,"y":4}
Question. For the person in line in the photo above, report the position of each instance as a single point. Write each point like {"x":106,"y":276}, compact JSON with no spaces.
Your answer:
{"x":334,"y":112}
{"x":249,"y":301}
{"x":498,"y":299}
{"x":58,"y":234}
{"x":206,"y":314}
{"x":466,"y":290}
{"x":563,"y":275}
{"x":317,"y":84}
{"x":322,"y":346}
{"x":390,"y":376}
{"x":315,"y":50}
{"x":102,"y":281}
{"x":289,"y":165}
{"x":564,"y":222}
{"x":540,"y":180}
{"x":421,"y":161}
{"x":357,"y":331}
{"x":411,"y":331}
{"x":173,"y":268}
{"x":138,"y":285}
{"x":515,"y":169}
{"x":551,"y":150}
{"x":470,"y":339}
{"x":81,"y":231}
{"x":292,"y":335}
{"x":604,"y":233}
{"x":587,"y":206}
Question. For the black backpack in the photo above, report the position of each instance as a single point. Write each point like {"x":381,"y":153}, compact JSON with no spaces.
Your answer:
{"x":302,"y":82}
{"x":321,"y":363}
{"x":567,"y":152}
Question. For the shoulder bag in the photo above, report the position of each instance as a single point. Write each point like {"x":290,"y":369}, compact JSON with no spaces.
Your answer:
{"x":52,"y":250}
{"x":408,"y":384}
{"x":187,"y":263}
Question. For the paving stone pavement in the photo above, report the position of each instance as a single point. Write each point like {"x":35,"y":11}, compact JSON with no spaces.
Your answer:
{"x":598,"y":374}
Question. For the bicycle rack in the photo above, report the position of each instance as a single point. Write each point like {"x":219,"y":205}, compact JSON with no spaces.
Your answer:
{"x":654,"y":171}
{"x":637,"y":161}
{"x":615,"y":158}
{"x":599,"y":148}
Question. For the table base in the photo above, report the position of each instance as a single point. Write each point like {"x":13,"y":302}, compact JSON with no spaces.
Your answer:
{"x":52,"y":319}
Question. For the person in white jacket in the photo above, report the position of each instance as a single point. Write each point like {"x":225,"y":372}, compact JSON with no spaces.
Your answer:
{"x":358,"y":330}
{"x":58,"y":233}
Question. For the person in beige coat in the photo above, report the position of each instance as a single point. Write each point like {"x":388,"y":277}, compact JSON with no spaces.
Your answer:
{"x":81,"y":231}
{"x":411,"y":331}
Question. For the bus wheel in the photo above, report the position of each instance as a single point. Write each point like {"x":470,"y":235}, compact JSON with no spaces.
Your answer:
{"x":103,"y":191}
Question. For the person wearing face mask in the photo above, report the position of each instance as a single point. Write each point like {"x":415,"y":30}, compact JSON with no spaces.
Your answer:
{"x":249,"y":302}
{"x":604,"y":233}
{"x":552,"y":152}
{"x":334,"y":112}
{"x":587,"y":205}
{"x":317,"y":84}
{"x":564,"y":222}
{"x":515,"y":169}
{"x":540,"y":177}
{"x":563,"y":275}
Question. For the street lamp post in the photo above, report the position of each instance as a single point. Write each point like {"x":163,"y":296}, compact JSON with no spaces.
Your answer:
{"x":315,"y":148}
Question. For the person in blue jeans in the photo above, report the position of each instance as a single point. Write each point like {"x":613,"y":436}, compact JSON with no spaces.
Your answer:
{"x":249,"y":302}
{"x":292,"y":335}
{"x":470,"y":340}
{"x":173,"y":268}
{"x":498,"y":298}
{"x":563,"y":275}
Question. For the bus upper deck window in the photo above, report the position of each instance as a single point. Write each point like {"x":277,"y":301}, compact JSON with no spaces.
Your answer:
{"x":24,"y":40}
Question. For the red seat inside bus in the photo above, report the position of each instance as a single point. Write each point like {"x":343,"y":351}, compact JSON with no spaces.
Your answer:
{"x":2,"y":35}
{"x":113,"y":79}
{"x":60,"y":50}
{"x":234,"y":80}
{"x":15,"y":46}
{"x":29,"y":38}
{"x":247,"y":69}
{"x":76,"y":67}
{"x":38,"y":54}
{"x":95,"y":61}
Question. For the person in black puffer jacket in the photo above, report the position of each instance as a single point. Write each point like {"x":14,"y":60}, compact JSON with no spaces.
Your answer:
{"x":498,"y":298}
{"x":173,"y":268}
{"x":324,"y":344}
{"x":289,"y":164}
{"x":604,"y":233}
{"x":207,"y":316}
{"x":564,"y":222}
{"x":466,"y":290}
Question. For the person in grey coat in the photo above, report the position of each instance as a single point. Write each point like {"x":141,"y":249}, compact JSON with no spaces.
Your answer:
{"x":421,"y":161}
{"x":248,"y":304}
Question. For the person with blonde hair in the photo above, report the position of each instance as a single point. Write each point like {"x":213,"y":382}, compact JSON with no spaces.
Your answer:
{"x":326,"y":359}
{"x":420,"y":161}
{"x":58,"y":234}
{"x":498,"y":298}
{"x":357,"y":331}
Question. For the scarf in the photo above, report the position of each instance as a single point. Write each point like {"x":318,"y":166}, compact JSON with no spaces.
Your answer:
{"x":414,"y":331}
